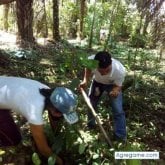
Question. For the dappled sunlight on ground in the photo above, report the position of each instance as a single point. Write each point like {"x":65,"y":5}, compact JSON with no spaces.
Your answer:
{"x":78,"y":42}
{"x":7,"y":40}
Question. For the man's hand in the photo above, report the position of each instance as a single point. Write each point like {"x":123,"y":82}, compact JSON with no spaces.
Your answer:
{"x":83,"y":85}
{"x":41,"y":142}
{"x":115,"y":91}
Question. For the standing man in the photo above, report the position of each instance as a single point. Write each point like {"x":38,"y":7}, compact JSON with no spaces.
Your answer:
{"x":108,"y":76}
{"x":30,"y":98}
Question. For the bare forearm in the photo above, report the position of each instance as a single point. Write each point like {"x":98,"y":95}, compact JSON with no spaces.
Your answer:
{"x":87,"y":75}
{"x":46,"y":151}
{"x":41,"y":142}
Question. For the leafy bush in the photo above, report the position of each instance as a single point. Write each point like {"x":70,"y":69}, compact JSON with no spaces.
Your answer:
{"x":138,"y":41}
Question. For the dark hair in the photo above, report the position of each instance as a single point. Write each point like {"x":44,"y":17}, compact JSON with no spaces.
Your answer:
{"x":104,"y":59}
{"x":46,"y":93}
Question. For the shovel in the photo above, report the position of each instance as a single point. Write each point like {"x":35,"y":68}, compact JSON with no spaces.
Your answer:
{"x":96,"y":117}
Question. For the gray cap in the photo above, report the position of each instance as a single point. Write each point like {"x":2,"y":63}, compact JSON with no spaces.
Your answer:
{"x":66,"y":102}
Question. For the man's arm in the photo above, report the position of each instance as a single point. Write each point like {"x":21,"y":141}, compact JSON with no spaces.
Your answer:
{"x":41,"y":142}
{"x":87,"y":75}
{"x":117,"y":87}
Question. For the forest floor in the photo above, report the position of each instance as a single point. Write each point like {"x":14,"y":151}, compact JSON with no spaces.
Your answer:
{"x":144,"y":103}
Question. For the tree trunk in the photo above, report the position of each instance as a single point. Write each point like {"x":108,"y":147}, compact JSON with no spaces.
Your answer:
{"x":112,"y":20}
{"x":56,"y":35}
{"x":74,"y":26}
{"x":146,"y":23}
{"x":82,"y":13}
{"x":6,"y":14}
{"x":91,"y":31}
{"x":40,"y":17}
{"x":155,"y":33}
{"x":45,"y":21}
{"x":24,"y":21}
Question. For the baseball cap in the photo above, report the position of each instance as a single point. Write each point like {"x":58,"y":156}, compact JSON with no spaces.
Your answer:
{"x":66,"y":102}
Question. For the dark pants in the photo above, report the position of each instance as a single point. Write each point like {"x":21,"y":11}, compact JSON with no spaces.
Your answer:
{"x":9,"y":132}
{"x":95,"y":93}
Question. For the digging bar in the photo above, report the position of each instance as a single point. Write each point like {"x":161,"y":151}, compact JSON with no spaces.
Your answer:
{"x":96,"y":116}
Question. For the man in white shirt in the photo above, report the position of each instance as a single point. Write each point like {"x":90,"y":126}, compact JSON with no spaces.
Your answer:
{"x":108,"y":76}
{"x":30,"y":98}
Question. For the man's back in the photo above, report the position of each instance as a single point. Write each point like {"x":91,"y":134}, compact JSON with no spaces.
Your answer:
{"x":22,"y":95}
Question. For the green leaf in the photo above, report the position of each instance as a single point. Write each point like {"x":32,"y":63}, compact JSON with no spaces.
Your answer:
{"x":74,"y":84}
{"x":90,"y":64}
{"x":52,"y":160}
{"x":35,"y":159}
{"x":95,"y":156}
{"x":81,"y":148}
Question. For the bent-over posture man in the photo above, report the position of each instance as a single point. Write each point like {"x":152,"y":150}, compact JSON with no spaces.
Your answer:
{"x":30,"y":98}
{"x":108,"y":76}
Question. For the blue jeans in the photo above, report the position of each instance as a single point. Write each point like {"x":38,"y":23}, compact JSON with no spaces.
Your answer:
{"x":95,"y":92}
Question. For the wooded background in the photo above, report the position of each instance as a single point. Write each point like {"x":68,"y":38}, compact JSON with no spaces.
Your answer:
{"x":140,"y":22}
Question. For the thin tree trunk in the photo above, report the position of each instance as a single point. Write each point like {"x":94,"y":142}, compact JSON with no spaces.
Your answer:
{"x":40,"y":19}
{"x":155,"y":33}
{"x":82,"y":13}
{"x":93,"y":22}
{"x":56,"y":35}
{"x":45,"y":20}
{"x":113,"y":15}
{"x":6,"y":14}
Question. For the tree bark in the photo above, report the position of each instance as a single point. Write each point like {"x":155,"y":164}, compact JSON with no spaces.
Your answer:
{"x":82,"y":13}
{"x":24,"y":21}
{"x":56,"y":35}
{"x":112,"y":18}
{"x":40,"y":19}
{"x":91,"y":30}
{"x":6,"y":14}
